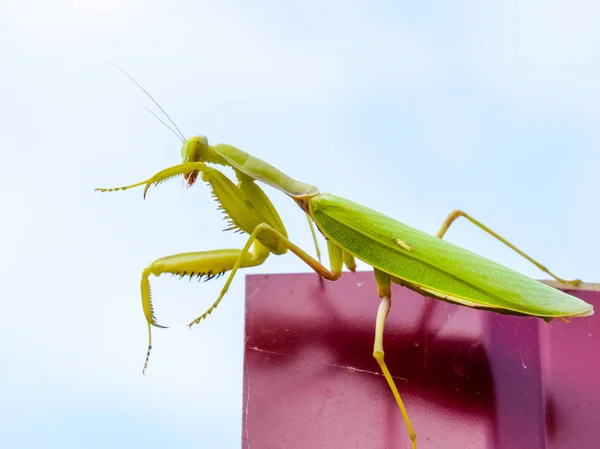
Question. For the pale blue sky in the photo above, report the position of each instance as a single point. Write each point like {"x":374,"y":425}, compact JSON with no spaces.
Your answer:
{"x":411,"y":109}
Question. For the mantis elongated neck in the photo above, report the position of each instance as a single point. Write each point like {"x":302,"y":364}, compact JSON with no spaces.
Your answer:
{"x":264,"y":172}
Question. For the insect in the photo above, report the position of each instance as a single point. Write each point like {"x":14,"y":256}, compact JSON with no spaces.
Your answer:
{"x":399,"y":254}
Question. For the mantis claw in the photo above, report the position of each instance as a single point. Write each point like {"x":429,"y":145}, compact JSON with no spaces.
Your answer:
{"x":187,"y":170}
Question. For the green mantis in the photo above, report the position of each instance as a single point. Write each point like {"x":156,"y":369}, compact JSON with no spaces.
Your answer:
{"x":398,"y":253}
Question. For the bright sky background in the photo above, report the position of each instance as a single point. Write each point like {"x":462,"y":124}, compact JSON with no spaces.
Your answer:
{"x":412,"y":109}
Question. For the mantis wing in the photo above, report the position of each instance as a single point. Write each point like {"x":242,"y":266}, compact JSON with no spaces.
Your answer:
{"x":435,"y":264}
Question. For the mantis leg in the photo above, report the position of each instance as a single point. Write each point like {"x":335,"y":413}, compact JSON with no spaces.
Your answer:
{"x":205,"y":264}
{"x":385,"y":293}
{"x":459,"y":213}
{"x":267,"y":233}
{"x":314,"y":237}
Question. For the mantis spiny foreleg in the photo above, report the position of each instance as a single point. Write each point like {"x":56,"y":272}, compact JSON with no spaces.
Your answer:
{"x":265,"y":233}
{"x":204,"y":264}
{"x":249,"y":209}
{"x":246,"y":206}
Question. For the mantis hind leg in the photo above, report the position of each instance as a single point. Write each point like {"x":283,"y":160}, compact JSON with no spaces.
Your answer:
{"x":459,"y":213}
{"x":385,"y":293}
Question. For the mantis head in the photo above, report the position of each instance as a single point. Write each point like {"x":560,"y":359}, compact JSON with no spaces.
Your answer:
{"x":197,"y":149}
{"x":194,"y":149}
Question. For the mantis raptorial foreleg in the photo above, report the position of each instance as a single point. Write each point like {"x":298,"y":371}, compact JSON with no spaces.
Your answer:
{"x":248,"y":209}
{"x":459,"y":213}
{"x":264,"y":232}
{"x":385,"y":293}
{"x":246,"y":206}
{"x":204,"y":264}
{"x":246,"y":185}
{"x":207,"y":264}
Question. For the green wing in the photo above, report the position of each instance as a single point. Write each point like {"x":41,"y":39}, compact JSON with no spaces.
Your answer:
{"x":435,"y":264}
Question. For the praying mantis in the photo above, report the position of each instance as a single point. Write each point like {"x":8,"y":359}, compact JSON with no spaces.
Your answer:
{"x":426,"y":264}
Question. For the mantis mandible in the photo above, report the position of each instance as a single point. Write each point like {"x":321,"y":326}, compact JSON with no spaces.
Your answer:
{"x":426,"y":264}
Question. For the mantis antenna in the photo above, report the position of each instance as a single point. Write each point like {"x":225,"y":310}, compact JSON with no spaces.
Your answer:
{"x":166,"y":125}
{"x":153,"y":100}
